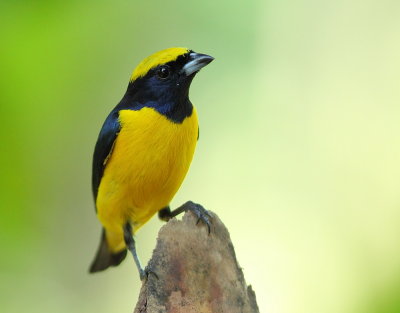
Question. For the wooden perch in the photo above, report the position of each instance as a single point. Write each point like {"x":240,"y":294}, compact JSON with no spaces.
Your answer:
{"x":197,"y":272}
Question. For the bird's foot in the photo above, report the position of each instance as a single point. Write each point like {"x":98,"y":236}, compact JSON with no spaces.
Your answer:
{"x":146,"y":272}
{"x":201,"y":213}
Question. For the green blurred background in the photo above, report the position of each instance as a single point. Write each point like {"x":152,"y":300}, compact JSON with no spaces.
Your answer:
{"x":299,"y":151}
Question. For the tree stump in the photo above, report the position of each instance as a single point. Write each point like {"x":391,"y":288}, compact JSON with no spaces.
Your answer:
{"x":197,"y":272}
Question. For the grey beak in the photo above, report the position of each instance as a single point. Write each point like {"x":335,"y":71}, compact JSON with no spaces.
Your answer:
{"x":196,"y":62}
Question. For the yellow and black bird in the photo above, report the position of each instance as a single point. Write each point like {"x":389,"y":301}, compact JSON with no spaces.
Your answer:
{"x":144,"y":151}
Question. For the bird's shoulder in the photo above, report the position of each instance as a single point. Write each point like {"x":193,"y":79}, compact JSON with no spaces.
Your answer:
{"x":106,"y":139}
{"x":103,"y":148}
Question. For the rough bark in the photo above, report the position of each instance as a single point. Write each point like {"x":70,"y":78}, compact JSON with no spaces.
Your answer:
{"x":197,"y":272}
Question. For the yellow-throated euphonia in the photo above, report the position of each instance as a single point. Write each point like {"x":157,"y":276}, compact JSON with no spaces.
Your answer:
{"x":144,"y":151}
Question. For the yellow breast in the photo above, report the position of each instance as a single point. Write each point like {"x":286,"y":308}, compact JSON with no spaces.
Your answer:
{"x":149,"y":161}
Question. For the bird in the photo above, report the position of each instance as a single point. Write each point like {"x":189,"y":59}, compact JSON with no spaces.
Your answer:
{"x":143,"y":152}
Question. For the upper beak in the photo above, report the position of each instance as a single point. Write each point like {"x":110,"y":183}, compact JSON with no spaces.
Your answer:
{"x":196,"y":62}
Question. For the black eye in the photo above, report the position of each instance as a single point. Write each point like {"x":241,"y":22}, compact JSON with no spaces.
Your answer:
{"x":163,"y":72}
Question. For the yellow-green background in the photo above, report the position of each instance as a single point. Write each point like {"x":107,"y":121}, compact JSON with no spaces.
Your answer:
{"x":299,"y":151}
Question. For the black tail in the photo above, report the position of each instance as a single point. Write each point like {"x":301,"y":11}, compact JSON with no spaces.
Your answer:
{"x":104,"y":258}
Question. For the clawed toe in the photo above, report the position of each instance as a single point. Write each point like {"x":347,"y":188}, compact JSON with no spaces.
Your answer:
{"x":201,"y":213}
{"x":144,"y":274}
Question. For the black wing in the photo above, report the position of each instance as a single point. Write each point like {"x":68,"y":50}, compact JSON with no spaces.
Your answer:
{"x":103,"y":149}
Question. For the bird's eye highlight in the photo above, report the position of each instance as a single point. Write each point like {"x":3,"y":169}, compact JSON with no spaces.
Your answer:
{"x":163,"y":72}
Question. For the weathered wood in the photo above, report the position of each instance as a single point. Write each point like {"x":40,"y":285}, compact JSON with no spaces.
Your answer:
{"x":197,"y":272}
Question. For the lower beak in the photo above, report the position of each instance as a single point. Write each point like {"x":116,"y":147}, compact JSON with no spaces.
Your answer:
{"x":195,"y":63}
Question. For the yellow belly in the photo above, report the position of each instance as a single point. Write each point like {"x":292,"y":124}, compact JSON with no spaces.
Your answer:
{"x":149,"y":161}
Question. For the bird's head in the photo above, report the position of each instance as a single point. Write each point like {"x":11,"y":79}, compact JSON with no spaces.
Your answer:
{"x":162,"y":80}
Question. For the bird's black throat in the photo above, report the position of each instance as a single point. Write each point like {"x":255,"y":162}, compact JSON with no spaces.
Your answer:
{"x":170,"y":100}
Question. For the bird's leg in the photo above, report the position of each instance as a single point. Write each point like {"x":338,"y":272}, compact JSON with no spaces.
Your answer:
{"x":202,"y":214}
{"x":165,"y":214}
{"x":130,"y":244}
